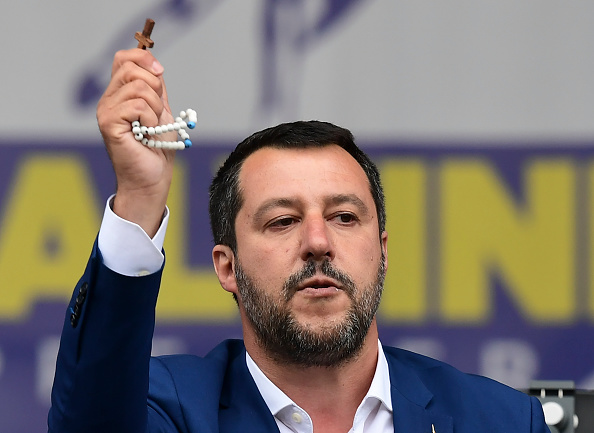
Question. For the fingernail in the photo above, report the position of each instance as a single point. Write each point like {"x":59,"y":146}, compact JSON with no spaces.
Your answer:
{"x":157,"y":67}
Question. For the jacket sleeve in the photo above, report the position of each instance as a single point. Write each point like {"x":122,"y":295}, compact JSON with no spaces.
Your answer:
{"x":102,"y":370}
{"x":538,"y":421}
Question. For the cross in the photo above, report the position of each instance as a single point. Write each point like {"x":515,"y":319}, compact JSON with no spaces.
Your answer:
{"x":144,"y":38}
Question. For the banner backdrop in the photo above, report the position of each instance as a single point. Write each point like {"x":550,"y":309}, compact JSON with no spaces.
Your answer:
{"x":489,"y":260}
{"x":384,"y":68}
{"x":478,"y":113}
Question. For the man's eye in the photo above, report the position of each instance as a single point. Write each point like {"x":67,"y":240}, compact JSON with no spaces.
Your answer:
{"x":346,"y":218}
{"x":283,"y":222}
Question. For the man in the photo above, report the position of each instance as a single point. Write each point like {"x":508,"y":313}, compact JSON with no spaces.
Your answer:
{"x":298,"y":218}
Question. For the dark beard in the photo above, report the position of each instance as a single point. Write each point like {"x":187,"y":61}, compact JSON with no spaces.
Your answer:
{"x":287,"y":341}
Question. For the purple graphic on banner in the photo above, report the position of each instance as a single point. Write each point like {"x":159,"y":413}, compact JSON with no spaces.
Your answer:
{"x":503,"y":242}
{"x":287,"y":29}
{"x":288,"y":33}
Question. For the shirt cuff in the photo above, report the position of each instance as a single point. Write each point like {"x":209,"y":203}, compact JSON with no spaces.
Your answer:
{"x":125,"y":246}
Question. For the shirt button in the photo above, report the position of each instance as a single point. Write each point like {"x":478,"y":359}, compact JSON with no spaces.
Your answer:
{"x":297,"y":417}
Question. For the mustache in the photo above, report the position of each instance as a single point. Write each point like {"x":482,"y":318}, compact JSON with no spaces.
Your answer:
{"x":312,"y":268}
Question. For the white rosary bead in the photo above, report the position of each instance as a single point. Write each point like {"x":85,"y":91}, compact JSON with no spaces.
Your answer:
{"x":186,"y":119}
{"x":192,"y":118}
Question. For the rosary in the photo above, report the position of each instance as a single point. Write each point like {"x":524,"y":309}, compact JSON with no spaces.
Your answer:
{"x":186,"y":119}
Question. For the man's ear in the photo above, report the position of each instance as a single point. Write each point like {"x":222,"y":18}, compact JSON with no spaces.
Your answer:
{"x":224,"y":264}
{"x":384,"y":241}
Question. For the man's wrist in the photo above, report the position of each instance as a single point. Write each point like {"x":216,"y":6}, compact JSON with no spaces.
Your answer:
{"x":126,"y":248}
{"x":145,"y":211}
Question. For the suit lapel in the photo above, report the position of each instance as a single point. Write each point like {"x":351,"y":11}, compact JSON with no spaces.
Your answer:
{"x":242,"y":408}
{"x":410,"y":402}
{"x":442,"y":424}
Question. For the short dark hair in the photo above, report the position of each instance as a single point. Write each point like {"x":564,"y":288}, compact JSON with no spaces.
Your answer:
{"x":225,"y":194}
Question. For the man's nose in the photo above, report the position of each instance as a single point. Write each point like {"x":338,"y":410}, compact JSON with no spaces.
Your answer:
{"x":316,"y":242}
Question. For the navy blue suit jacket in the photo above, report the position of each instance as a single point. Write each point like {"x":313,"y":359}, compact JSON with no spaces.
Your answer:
{"x":107,"y":382}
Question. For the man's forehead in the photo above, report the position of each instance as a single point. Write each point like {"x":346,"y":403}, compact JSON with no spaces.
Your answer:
{"x":280,"y":170}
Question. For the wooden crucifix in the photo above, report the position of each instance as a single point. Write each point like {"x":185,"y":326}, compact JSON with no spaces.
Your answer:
{"x":144,"y":38}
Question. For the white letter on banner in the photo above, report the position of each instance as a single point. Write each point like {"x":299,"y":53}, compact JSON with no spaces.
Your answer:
{"x":510,"y":361}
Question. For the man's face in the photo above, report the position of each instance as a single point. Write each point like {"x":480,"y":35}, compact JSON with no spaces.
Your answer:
{"x":310,"y":261}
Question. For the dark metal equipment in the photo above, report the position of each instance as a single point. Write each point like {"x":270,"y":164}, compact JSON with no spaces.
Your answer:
{"x":566,"y":409}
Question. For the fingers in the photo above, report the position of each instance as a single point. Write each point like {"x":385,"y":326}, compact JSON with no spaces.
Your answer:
{"x":135,"y":100}
{"x":143,"y":58}
{"x":137,"y":75}
{"x":164,"y":96}
{"x":135,"y":65}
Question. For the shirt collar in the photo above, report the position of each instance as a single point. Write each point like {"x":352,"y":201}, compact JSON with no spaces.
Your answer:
{"x":276,"y":400}
{"x":380,"y":385}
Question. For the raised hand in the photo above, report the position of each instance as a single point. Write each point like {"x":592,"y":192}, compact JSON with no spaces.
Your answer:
{"x":137,"y":92}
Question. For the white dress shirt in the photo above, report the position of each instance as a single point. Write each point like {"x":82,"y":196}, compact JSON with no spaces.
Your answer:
{"x":374,"y":414}
{"x":128,"y":250}
{"x":125,"y":246}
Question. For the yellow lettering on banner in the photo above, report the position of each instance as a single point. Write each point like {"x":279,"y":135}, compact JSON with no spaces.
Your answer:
{"x":188,"y":294}
{"x":531,"y":245}
{"x":47,"y":231}
{"x":405,"y":297}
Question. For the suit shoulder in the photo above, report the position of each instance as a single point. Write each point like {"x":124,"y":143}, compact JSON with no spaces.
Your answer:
{"x":192,"y":369}
{"x":445,"y":373}
{"x":471,"y":391}
{"x":186,"y":389}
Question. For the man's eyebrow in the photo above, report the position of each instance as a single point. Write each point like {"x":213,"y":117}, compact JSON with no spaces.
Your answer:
{"x":287,"y":202}
{"x":349,"y":198}
{"x":271,"y":204}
